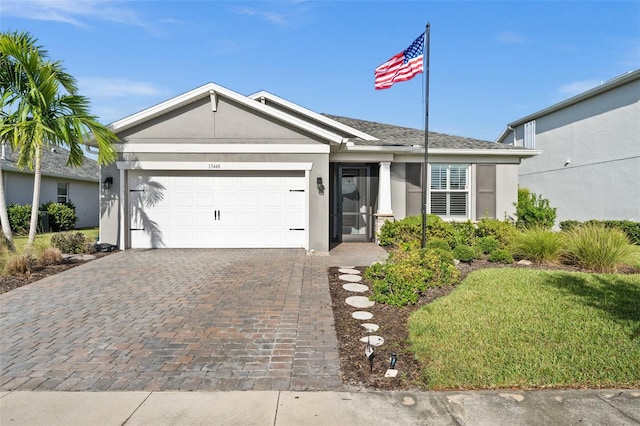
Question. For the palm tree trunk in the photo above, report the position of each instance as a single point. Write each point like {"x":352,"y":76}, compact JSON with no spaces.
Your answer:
{"x":4,"y":216}
{"x":33,"y":226}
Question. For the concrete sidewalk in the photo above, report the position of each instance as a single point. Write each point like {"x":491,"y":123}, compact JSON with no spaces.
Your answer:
{"x":546,"y":407}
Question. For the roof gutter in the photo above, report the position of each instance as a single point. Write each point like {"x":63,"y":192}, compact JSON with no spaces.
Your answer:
{"x":418,"y":149}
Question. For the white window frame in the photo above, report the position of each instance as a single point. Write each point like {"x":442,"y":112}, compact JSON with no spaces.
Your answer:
{"x":65,"y":196}
{"x":464,"y":187}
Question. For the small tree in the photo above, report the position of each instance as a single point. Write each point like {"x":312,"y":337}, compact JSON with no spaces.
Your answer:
{"x":533,"y":211}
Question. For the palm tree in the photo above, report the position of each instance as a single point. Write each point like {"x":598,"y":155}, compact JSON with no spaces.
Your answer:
{"x":42,"y":109}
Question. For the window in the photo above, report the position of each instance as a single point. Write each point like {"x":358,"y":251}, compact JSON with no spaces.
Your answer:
{"x":449,"y":191}
{"x":63,"y":192}
{"x":530,"y":134}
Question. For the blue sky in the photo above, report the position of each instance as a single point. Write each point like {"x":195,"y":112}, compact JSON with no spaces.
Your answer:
{"x":491,"y":62}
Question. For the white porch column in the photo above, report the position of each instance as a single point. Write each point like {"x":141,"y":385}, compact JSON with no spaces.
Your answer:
{"x":384,"y":197}
{"x":384,"y":190}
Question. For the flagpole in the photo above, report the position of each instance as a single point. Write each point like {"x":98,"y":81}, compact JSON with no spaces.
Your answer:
{"x":427,"y":37}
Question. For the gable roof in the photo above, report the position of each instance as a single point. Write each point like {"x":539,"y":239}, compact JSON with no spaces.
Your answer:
{"x":54,"y":164}
{"x":321,"y":119}
{"x":213,"y":90}
{"x":351,"y":133}
{"x":591,"y":93}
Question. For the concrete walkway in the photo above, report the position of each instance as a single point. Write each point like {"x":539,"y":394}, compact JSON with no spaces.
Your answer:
{"x":548,"y":407}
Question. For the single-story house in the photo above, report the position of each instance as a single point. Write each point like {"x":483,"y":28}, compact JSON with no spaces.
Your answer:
{"x":214,"y":168}
{"x":59,"y":183}
{"x":589,"y":166}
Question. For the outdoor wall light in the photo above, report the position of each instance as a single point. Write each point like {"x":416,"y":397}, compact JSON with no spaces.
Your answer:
{"x":107,"y":182}
{"x":320,"y":184}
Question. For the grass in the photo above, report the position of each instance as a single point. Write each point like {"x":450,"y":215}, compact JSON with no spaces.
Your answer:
{"x":506,"y":328}
{"x":42,"y":242}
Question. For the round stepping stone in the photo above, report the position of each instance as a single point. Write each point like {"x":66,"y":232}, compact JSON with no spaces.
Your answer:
{"x":356,"y":288}
{"x":359,"y":302}
{"x":370,"y":327}
{"x":351,"y":278}
{"x":373,"y":340}
{"x":362,"y":315}
{"x":349,"y":271}
{"x":346,"y":267}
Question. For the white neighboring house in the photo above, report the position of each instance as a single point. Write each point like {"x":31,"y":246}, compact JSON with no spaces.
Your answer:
{"x":590,"y":162}
{"x":60,"y":183}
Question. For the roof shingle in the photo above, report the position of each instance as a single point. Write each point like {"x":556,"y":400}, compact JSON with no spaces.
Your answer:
{"x":54,"y":163}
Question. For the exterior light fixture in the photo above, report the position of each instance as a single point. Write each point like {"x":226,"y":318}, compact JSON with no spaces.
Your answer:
{"x":107,"y":182}
{"x":320,"y":185}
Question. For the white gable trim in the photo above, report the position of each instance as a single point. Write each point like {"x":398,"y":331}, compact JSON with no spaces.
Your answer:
{"x":131,"y":148}
{"x":313,"y":115}
{"x":210,"y":165}
{"x":205,"y":91}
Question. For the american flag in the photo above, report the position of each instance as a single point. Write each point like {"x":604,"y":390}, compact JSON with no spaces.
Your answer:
{"x":402,"y":67}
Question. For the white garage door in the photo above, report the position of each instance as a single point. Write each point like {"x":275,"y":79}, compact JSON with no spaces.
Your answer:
{"x":206,"y":210}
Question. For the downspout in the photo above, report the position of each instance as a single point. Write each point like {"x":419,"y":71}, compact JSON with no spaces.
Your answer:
{"x":514,"y":134}
{"x":3,"y":151}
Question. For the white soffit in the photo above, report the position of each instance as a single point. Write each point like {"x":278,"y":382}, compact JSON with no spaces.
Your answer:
{"x":313,"y":115}
{"x":132,"y":148}
{"x":205,"y":91}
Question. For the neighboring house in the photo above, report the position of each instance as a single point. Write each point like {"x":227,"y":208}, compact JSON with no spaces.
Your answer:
{"x":214,"y":168}
{"x":589,"y":167}
{"x":60,"y":183}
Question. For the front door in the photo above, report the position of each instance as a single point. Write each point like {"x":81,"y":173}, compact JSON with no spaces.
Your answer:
{"x":353,"y":201}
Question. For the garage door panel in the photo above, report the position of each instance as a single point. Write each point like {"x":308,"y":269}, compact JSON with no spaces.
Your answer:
{"x":182,"y":211}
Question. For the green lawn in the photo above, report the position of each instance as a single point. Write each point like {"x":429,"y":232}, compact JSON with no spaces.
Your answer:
{"x":530,"y":328}
{"x":42,"y":242}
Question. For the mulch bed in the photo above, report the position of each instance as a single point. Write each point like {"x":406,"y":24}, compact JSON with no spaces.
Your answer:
{"x":39,"y":272}
{"x":354,"y":366}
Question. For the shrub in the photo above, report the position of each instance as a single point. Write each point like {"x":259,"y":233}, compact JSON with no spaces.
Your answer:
{"x":70,"y":242}
{"x":62,"y":217}
{"x":631,"y":229}
{"x":17,"y":264}
{"x":464,"y":233}
{"x":539,"y":245}
{"x":487,"y":244}
{"x":19,"y":217}
{"x":51,"y":256}
{"x":568,"y":225}
{"x":464,"y":253}
{"x":533,"y":211}
{"x":410,"y":229}
{"x":437,"y":243}
{"x":500,"y":256}
{"x":407,"y":273}
{"x":502,"y":231}
{"x":598,"y":248}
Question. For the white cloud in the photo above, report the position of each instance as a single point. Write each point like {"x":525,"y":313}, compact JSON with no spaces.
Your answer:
{"x":116,"y":88}
{"x":578,"y":87}
{"x":73,"y":12}
{"x":272,"y":17}
{"x":511,"y":37}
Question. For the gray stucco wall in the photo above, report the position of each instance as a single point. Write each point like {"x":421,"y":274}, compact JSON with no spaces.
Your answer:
{"x":83,"y":194}
{"x":600,"y":137}
{"x":231,"y":123}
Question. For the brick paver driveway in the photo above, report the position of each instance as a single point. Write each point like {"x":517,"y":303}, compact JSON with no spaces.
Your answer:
{"x":174,"y":320}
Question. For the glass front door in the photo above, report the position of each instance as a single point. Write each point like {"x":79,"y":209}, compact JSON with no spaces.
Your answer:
{"x":354,"y":203}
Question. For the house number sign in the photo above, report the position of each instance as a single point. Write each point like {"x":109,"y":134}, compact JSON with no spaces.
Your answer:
{"x":214,"y":165}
